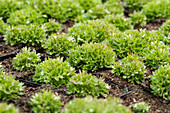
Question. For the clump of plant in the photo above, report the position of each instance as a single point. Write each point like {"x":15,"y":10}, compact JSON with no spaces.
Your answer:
{"x":92,"y":57}
{"x":25,"y":60}
{"x":96,"y":12}
{"x":138,"y":19}
{"x":92,"y":31}
{"x":52,"y":27}
{"x":119,"y":21}
{"x":45,"y":102}
{"x":9,"y":6}
{"x":157,"y":9}
{"x":140,"y":107}
{"x":84,"y":84}
{"x":5,"y":108}
{"x":61,"y":10}
{"x":54,"y":72}
{"x":9,"y":87}
{"x":160,"y":82}
{"x":88,"y":4}
{"x":29,"y":35}
{"x":131,"y":41}
{"x":2,"y":27}
{"x":114,"y":6}
{"x":94,"y":105}
{"x":156,"y":54}
{"x":25,"y":17}
{"x":59,"y":44}
{"x":165,"y":28}
{"x":131,"y":68}
{"x":135,"y":4}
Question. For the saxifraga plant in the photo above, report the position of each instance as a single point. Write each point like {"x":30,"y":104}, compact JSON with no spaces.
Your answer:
{"x":84,"y":84}
{"x":140,"y":107}
{"x":45,"y":102}
{"x":3,"y":27}
{"x":165,"y":28}
{"x":54,"y":72}
{"x":9,"y":87}
{"x":92,"y":57}
{"x":5,"y":108}
{"x":160,"y":82}
{"x":88,"y":4}
{"x":131,"y":68}
{"x":94,"y":105}
{"x":25,"y":60}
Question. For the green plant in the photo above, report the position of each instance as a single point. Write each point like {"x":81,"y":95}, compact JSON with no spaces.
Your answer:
{"x":8,"y":6}
{"x":135,"y":4}
{"x":157,"y":9}
{"x":138,"y":19}
{"x":1,"y":70}
{"x":96,"y":12}
{"x":45,"y":102}
{"x":29,"y":35}
{"x":140,"y":107}
{"x":61,"y":10}
{"x":54,"y":72}
{"x":165,"y":28}
{"x":59,"y":44}
{"x":5,"y":108}
{"x":88,"y":4}
{"x":84,"y":84}
{"x":92,"y":31}
{"x":156,"y":54}
{"x":92,"y":57}
{"x":119,"y":21}
{"x":25,"y":60}
{"x":131,"y":41}
{"x":9,"y":87}
{"x":2,"y":27}
{"x":52,"y":27}
{"x":114,"y":6}
{"x":131,"y":68}
{"x":25,"y":17}
{"x":160,"y":82}
{"x":94,"y":105}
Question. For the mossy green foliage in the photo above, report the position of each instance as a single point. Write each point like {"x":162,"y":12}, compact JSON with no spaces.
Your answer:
{"x":45,"y":102}
{"x":131,"y":68}
{"x":88,"y":4}
{"x":61,"y":10}
{"x":84,"y":84}
{"x":131,"y":41}
{"x":92,"y":31}
{"x":92,"y":57}
{"x":138,"y":19}
{"x":156,"y":54}
{"x":5,"y":108}
{"x":119,"y":21}
{"x":94,"y":105}
{"x":59,"y":44}
{"x":9,"y":87}
{"x":165,"y":29}
{"x":9,"y":6}
{"x":29,"y":35}
{"x":25,"y":17}
{"x":135,"y":4}
{"x":96,"y":12}
{"x":2,"y":27}
{"x":140,"y":107}
{"x":54,"y":72}
{"x":52,"y":27}
{"x":114,"y":6}
{"x":160,"y":82}
{"x":25,"y":60}
{"x":157,"y":9}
